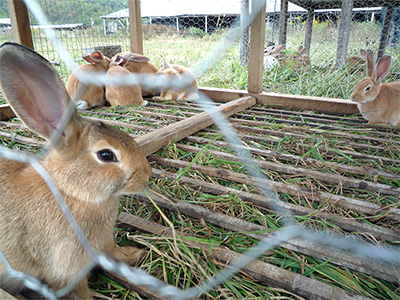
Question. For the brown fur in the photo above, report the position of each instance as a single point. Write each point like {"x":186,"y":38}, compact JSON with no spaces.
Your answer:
{"x":35,"y":236}
{"x":140,"y":64}
{"x":122,"y":94}
{"x":378,"y":103}
{"x":93,"y":94}
{"x":177,"y":73}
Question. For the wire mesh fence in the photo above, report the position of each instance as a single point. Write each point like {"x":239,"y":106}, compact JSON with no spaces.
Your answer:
{"x":165,"y":36}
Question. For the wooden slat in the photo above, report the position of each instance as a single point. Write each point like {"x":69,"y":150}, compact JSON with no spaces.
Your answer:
{"x":297,"y":102}
{"x":6,"y":112}
{"x":20,"y":24}
{"x":6,"y":296}
{"x":259,"y":232}
{"x":157,"y":139}
{"x":262,"y":271}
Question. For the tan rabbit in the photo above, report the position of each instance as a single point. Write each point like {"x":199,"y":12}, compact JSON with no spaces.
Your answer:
{"x":378,"y":102}
{"x":180,"y":83}
{"x":91,"y":165}
{"x":120,"y":94}
{"x":140,"y":64}
{"x":93,"y":94}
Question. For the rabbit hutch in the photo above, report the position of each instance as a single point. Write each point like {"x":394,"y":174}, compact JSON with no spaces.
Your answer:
{"x":272,"y":184}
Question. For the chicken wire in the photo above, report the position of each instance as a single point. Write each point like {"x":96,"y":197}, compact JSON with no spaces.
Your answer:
{"x":60,"y":54}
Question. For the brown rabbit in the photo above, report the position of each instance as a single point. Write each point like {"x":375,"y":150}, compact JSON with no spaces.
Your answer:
{"x":91,"y":164}
{"x":356,"y":63}
{"x":120,"y":94}
{"x":378,"y":102}
{"x":301,"y":59}
{"x":186,"y":88}
{"x":93,"y":94}
{"x":139,"y":64}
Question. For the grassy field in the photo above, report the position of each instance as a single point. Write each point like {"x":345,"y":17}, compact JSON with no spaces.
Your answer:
{"x":342,"y":147}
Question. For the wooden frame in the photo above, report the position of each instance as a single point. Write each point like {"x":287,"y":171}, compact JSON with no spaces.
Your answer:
{"x":23,"y":36}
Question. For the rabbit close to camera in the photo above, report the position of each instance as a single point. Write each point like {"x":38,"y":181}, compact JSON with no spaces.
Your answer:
{"x":91,"y":164}
{"x":378,"y":102}
{"x":93,"y":94}
{"x":178,"y":83}
{"x":140,"y":65}
{"x":122,"y":94}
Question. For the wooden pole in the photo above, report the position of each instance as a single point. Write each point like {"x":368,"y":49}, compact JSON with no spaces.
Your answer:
{"x":244,"y":32}
{"x":155,"y":140}
{"x":283,"y":16}
{"x":344,"y":32}
{"x":385,"y":31}
{"x":257,"y":43}
{"x":20,"y":25}
{"x":135,"y":26}
{"x":309,"y":24}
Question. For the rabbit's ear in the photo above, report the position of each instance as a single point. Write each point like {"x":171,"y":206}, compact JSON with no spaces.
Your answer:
{"x":119,"y":60}
{"x":93,"y":58}
{"x":139,"y":58}
{"x":166,"y":64}
{"x":383,"y":67}
{"x":363,"y":53}
{"x":33,"y":88}
{"x":370,"y":64}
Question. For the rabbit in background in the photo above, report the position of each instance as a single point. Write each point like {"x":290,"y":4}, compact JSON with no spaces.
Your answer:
{"x":272,"y":56}
{"x":301,"y":59}
{"x":122,"y":94}
{"x":180,"y":83}
{"x":378,"y":102}
{"x":93,"y":94}
{"x":91,"y":164}
{"x":357,"y":63}
{"x":140,"y":64}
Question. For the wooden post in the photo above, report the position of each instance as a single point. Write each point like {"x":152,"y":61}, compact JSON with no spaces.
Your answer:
{"x":283,"y":16}
{"x":309,"y":25}
{"x":257,"y":43}
{"x":344,"y":32}
{"x":20,"y":25}
{"x":385,"y":31}
{"x":135,"y":26}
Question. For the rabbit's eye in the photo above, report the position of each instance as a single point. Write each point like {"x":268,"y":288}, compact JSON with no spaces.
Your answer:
{"x":106,"y":155}
{"x":367,"y":88}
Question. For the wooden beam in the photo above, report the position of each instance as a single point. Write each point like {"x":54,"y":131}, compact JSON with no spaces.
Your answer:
{"x":20,"y":24}
{"x":6,"y":112}
{"x":157,"y":139}
{"x":257,"y":44}
{"x":297,"y":102}
{"x":135,"y":26}
{"x":344,"y":32}
{"x":283,"y":16}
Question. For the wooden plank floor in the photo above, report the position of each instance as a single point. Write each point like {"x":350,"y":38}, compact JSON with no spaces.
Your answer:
{"x":331,"y":172}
